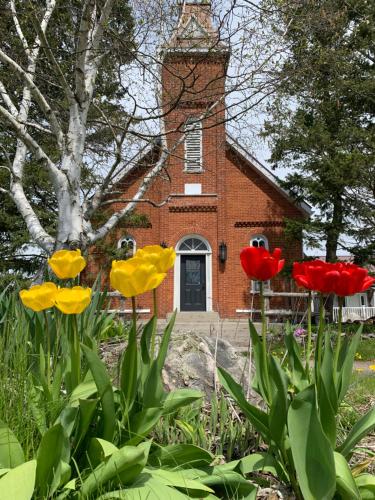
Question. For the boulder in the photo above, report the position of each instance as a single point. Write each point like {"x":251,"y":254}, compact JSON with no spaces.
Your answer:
{"x":191,"y":362}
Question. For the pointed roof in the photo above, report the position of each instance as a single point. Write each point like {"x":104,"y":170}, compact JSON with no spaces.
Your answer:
{"x":195,"y":31}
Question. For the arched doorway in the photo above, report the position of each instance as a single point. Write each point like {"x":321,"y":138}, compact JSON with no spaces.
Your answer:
{"x":193,"y":274}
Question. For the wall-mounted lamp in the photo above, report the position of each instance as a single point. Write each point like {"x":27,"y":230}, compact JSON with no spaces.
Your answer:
{"x":163,"y":244}
{"x":223,"y":254}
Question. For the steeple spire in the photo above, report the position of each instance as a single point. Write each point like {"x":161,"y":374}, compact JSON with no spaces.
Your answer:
{"x":195,"y":31}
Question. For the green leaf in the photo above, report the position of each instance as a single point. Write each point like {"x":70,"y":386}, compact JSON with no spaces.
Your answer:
{"x":53,"y":448}
{"x":84,"y":390}
{"x":264,"y":462}
{"x":129,"y":372}
{"x":87,"y":412}
{"x":346,"y":362}
{"x":163,"y":350}
{"x":179,"y":398}
{"x":18,"y":483}
{"x":105,"y":392}
{"x":99,"y":450}
{"x":279,"y":408}
{"x":146,"y":340}
{"x":230,"y":484}
{"x":117,"y":463}
{"x":142,"y":423}
{"x":345,"y":483}
{"x":146,"y":488}
{"x":153,"y":392}
{"x":11,"y":453}
{"x":327,"y":413}
{"x":359,"y":430}
{"x":327,"y":395}
{"x":299,"y":377}
{"x":180,"y":455}
{"x":366,"y":486}
{"x":311,"y":450}
{"x":67,"y":419}
{"x":259,"y":380}
{"x":257,"y":417}
{"x":177,"y":479}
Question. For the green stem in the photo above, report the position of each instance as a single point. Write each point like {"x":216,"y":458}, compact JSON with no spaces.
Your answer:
{"x":320,"y":339}
{"x":308,"y":348}
{"x":153,"y":334}
{"x":134,"y":316}
{"x":264,"y":340}
{"x":48,"y":349}
{"x":75,"y":354}
{"x":339,"y":333}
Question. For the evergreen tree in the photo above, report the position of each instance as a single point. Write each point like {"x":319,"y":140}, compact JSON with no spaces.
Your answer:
{"x":322,"y":123}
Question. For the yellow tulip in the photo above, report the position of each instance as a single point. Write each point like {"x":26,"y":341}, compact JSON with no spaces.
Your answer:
{"x":73,"y":300}
{"x":67,"y":263}
{"x":39,"y":297}
{"x":162,"y":258}
{"x":134,"y":276}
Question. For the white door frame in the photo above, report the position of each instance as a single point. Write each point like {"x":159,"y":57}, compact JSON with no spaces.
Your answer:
{"x":177,"y":271}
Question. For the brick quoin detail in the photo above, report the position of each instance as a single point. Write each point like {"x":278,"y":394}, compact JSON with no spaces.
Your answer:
{"x":246,"y":201}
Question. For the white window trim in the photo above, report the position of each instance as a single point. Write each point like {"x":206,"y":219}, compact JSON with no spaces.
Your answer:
{"x":128,"y":237}
{"x":267,"y":284}
{"x":196,"y":124}
{"x":259,"y":237}
{"x":177,"y":272}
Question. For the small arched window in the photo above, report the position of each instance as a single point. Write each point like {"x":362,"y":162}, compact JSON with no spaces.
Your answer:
{"x":259,"y":240}
{"x":128,"y":247}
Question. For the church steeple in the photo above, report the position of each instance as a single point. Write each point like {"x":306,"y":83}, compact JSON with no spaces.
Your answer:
{"x":195,"y":31}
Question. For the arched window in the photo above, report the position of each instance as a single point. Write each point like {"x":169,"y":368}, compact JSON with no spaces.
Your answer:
{"x":259,"y":240}
{"x":193,"y":244}
{"x":128,"y":247}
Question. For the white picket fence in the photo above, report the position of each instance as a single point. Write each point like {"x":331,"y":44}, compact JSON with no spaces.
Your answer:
{"x":354,"y":313}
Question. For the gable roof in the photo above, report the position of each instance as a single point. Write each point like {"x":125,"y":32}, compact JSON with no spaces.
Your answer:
{"x":266,"y":174}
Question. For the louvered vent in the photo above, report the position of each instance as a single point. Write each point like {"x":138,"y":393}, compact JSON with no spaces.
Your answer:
{"x":193,"y":146}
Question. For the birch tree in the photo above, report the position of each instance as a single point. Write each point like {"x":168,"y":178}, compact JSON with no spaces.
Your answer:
{"x":80,"y":95}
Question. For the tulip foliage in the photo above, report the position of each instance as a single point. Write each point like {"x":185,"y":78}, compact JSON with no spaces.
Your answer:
{"x":299,"y":421}
{"x":94,"y":435}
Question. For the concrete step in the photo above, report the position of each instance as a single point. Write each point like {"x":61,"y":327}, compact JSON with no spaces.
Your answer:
{"x":193,"y":317}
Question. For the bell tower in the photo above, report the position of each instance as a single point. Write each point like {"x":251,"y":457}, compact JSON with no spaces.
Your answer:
{"x":195,"y":62}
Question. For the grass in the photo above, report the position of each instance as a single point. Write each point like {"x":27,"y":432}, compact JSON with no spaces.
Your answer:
{"x":215,"y":426}
{"x":365,"y":351}
{"x":16,"y":408}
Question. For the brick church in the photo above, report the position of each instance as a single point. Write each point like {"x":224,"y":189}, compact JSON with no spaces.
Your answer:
{"x":216,"y":197}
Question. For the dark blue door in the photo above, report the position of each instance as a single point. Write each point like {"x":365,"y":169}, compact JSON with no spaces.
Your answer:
{"x":193,"y":282}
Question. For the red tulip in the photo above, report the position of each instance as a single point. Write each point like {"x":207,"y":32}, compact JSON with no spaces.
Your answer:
{"x":314,"y":275}
{"x":259,"y":264}
{"x":351,"y":279}
{"x":325,"y":277}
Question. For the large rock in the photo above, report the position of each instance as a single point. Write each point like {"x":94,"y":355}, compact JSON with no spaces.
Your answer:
{"x":192,"y":360}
